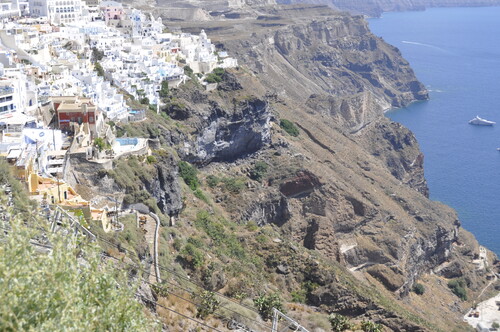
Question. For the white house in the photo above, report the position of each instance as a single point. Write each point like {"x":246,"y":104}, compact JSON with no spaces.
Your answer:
{"x":58,"y":11}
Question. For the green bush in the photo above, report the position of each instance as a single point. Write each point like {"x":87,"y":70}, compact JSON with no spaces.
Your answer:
{"x":258,"y":172}
{"x":215,"y":76}
{"x":302,"y":294}
{"x":368,"y":326}
{"x":214,"y":229}
{"x":208,"y":304}
{"x":151,"y":160}
{"x":192,"y":256}
{"x":212,"y":181}
{"x":188,"y":71}
{"x":70,"y":289}
{"x":289,"y":127}
{"x":189,"y":174}
{"x":160,"y":290}
{"x":198,"y":193}
{"x":178,"y":244}
{"x":227,"y":243}
{"x":266,"y":303}
{"x":98,"y":68}
{"x":219,"y":71}
{"x":197,"y":242}
{"x":457,"y":286}
{"x":234,"y":185}
{"x":164,"y":91}
{"x":261,"y":238}
{"x":100,"y":143}
{"x":212,"y":78}
{"x":298,"y":296}
{"x":251,"y":226}
{"x":339,"y":322}
{"x":419,"y":289}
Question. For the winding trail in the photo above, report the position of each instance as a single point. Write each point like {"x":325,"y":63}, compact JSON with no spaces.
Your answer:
{"x":488,"y":285}
{"x":155,"y":246}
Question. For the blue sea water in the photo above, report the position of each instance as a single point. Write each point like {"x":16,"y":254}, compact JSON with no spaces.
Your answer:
{"x":455,"y":52}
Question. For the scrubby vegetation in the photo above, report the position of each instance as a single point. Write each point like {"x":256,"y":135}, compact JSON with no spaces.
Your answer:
{"x":100,"y":143}
{"x":230,"y":184}
{"x":419,"y":289}
{"x":458,"y":286}
{"x":289,"y":127}
{"x":59,"y":291}
{"x":215,"y":76}
{"x":368,"y":326}
{"x":129,"y":174}
{"x":225,"y":243}
{"x":98,"y":68}
{"x":189,"y":174}
{"x":208,"y":304}
{"x":339,"y":323}
{"x":57,"y":281}
{"x":19,"y":194}
{"x":164,"y":91}
{"x":259,"y":171}
{"x":192,"y":256}
{"x":265,"y":304}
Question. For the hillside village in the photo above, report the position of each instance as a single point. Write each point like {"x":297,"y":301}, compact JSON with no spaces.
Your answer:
{"x":69,"y":69}
{"x":276,"y":192}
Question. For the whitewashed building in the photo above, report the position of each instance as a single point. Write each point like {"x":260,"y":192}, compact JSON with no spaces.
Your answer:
{"x":58,"y":11}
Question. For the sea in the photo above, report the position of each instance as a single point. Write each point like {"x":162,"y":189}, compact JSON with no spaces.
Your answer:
{"x":455,"y":53}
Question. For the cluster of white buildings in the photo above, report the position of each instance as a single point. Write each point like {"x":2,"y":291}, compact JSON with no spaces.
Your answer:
{"x":72,"y":65}
{"x":92,"y":55}
{"x":59,"y":43}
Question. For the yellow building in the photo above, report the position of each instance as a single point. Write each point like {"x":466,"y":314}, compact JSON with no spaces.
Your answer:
{"x":54,"y":191}
{"x":60,"y":193}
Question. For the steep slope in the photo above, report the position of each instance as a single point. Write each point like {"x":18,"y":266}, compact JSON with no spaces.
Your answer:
{"x":353,"y":185}
{"x":337,"y":217}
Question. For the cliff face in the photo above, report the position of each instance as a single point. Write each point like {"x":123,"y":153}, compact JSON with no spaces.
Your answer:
{"x":228,"y":134}
{"x":348,"y":194}
{"x":335,"y":56}
{"x":375,"y":8}
{"x":352,"y":186}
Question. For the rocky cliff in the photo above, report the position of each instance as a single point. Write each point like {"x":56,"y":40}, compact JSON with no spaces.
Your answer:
{"x":352,"y":186}
{"x":339,"y":207}
{"x":375,"y":8}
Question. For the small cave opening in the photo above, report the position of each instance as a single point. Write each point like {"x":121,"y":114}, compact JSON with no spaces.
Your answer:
{"x":311,"y":231}
{"x":359,"y":208}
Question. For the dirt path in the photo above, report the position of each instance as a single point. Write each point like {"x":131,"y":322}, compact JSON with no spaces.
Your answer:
{"x":151,"y":229}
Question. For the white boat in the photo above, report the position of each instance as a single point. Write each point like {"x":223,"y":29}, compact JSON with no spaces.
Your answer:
{"x":481,"y":122}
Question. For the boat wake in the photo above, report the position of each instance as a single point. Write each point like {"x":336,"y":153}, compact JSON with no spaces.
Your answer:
{"x":425,"y":45}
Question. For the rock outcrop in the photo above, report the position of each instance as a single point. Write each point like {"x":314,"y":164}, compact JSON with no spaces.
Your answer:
{"x":165,"y":188}
{"x":230,"y":134}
